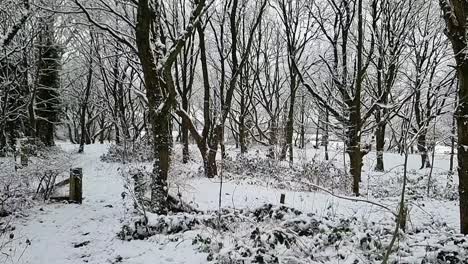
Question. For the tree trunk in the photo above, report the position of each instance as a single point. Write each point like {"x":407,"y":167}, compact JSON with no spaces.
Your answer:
{"x":242,"y":135}
{"x":102,"y":130}
{"x":355,"y":163}
{"x":221,"y":141}
{"x":211,"y":169}
{"x":162,"y":142}
{"x":302,"y":144}
{"x":47,"y":101}
{"x":379,"y":145}
{"x":185,"y":134}
{"x":158,"y":118}
{"x":273,"y":138}
{"x":455,"y":13}
{"x":84,"y":107}
{"x":422,"y":148}
{"x":289,"y":130}
{"x":462,"y":131}
{"x":117,"y":133}
{"x":452,"y":142}
{"x":353,"y":148}
{"x":317,"y":130}
{"x":70,"y":134}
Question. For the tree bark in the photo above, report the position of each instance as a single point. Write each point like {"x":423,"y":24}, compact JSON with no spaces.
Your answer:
{"x":84,"y":107}
{"x":379,"y":145}
{"x":455,"y":13}
{"x":422,"y":148}
{"x":185,"y":134}
{"x":158,"y":119}
{"x":47,"y":101}
{"x":289,"y":130}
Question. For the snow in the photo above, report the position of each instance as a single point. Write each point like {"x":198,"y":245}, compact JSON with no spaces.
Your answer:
{"x":54,"y":229}
{"x":62,"y":233}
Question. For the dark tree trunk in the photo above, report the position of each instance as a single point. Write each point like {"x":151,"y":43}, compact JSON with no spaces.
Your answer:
{"x":242,"y":135}
{"x":455,"y":13}
{"x":317,"y":131}
{"x":84,"y":106}
{"x":273,"y":137}
{"x":355,"y":124}
{"x":462,"y":132}
{"x":158,"y":119}
{"x":102,"y":128}
{"x":353,"y":149}
{"x":452,"y":141}
{"x":422,"y":148}
{"x":185,"y":134}
{"x":210,"y":163}
{"x":70,"y":134}
{"x":117,"y":133}
{"x":302,"y":144}
{"x":380,"y":144}
{"x":47,"y":101}
{"x":355,"y":164}
{"x":289,"y":129}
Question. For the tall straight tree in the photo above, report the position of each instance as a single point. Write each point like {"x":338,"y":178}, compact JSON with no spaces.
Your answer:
{"x":455,"y":13}
{"x":47,"y":98}
{"x":85,"y":102}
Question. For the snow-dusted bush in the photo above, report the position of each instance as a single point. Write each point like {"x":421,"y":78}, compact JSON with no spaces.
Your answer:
{"x":138,"y":151}
{"x":259,"y":171}
{"x":441,"y":185}
{"x":15,"y":188}
{"x":19,"y":185}
{"x":48,"y":167}
{"x":279,"y":234}
{"x":327,"y":175}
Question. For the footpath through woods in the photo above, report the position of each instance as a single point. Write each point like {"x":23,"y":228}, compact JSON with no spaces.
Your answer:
{"x":59,"y":233}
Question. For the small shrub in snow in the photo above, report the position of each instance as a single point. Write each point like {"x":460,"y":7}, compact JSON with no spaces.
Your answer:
{"x":18,"y":186}
{"x":259,"y":170}
{"x":441,"y":187}
{"x":278,"y":234}
{"x":138,"y":151}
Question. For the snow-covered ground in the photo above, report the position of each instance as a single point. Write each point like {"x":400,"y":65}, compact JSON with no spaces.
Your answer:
{"x":87,"y":233}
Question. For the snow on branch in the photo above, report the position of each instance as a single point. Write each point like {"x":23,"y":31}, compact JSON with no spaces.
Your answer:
{"x":5,"y":41}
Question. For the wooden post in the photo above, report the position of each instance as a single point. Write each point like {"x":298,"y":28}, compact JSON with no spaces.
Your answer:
{"x":24,"y":159}
{"x":282,"y":197}
{"x":76,"y":185}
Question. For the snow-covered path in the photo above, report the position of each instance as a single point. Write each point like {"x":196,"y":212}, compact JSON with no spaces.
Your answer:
{"x":71,"y":233}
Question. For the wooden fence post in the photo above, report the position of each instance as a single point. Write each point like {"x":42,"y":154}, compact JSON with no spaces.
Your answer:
{"x":24,"y":159}
{"x":282,"y":198}
{"x":76,"y":185}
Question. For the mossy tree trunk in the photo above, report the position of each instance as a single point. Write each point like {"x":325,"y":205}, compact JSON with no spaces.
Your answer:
{"x":47,"y":97}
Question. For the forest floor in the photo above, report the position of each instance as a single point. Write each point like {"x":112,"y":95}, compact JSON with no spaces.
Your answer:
{"x":254,"y":229}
